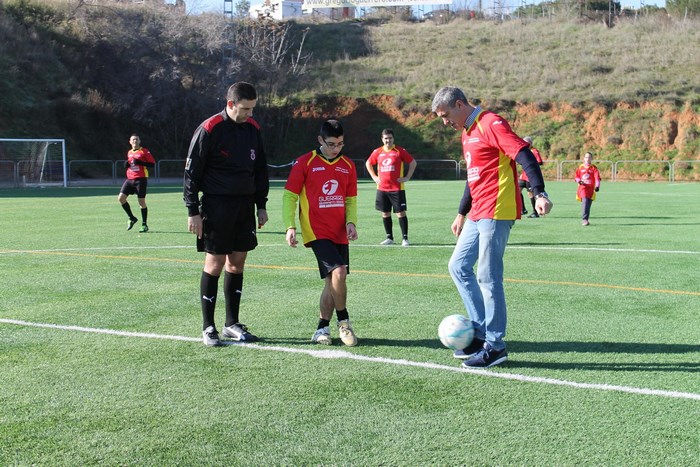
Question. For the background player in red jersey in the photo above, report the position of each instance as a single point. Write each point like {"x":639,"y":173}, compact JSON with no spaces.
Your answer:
{"x":588,"y":178}
{"x":524,"y":183}
{"x":323,"y":183}
{"x":491,"y":200}
{"x":227,"y":164}
{"x":138,"y":161}
{"x":390,"y":177}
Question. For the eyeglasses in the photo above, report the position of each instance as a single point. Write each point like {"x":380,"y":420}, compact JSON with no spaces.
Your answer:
{"x":334,"y":145}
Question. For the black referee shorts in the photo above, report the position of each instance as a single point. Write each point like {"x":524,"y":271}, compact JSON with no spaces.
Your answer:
{"x":229,"y":225}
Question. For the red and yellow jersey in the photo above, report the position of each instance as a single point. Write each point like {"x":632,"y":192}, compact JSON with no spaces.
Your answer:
{"x":590,"y":176}
{"x":327,"y":195}
{"x":135,"y":170}
{"x":490,"y":147}
{"x":536,"y":153}
{"x":390,"y":166}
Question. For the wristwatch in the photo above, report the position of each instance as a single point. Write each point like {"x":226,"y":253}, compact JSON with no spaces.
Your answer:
{"x":541,"y":194}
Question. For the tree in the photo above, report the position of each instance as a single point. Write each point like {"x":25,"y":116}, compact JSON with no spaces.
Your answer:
{"x":242,"y":9}
{"x":681,"y":8}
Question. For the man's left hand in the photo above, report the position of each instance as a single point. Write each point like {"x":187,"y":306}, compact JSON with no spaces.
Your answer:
{"x":543,"y":206}
{"x":262,"y":217}
{"x":351,"y":231}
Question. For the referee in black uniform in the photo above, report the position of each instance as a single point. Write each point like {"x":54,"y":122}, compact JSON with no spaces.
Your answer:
{"x":227,"y":164}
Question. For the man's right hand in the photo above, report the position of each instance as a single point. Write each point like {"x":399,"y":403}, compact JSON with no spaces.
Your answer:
{"x":458,"y":224}
{"x":292,"y":238}
{"x":194,"y":225}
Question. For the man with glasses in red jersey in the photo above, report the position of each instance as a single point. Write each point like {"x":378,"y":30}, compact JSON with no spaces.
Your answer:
{"x":323,"y":183}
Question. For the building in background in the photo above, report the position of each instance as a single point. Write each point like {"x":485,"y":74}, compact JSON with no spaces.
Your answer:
{"x":284,"y":9}
{"x":277,"y":9}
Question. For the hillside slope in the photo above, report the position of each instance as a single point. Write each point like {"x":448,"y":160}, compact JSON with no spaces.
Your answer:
{"x":94,"y":74}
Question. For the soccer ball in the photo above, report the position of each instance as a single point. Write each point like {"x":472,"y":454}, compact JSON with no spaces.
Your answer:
{"x":456,"y":332}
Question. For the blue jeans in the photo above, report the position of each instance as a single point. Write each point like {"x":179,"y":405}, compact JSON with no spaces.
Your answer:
{"x":586,"y":208}
{"x":483,"y":294}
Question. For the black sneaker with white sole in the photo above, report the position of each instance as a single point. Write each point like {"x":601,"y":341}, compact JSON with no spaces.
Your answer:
{"x":476,"y":345}
{"x":210,"y":336}
{"x":238,"y":332}
{"x":486,"y":358}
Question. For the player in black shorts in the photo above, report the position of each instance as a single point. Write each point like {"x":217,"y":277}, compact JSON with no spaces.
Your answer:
{"x":394,"y":167}
{"x":227,"y":164}
{"x":138,"y":161}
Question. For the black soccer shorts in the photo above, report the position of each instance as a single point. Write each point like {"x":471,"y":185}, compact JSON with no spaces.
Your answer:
{"x":229,"y":225}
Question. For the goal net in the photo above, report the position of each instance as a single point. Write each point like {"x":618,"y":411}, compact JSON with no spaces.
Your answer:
{"x":33,"y":162}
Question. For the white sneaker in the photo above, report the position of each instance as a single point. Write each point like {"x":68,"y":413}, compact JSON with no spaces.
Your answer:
{"x":388,"y":241}
{"x":347,"y":335}
{"x":404,"y":242}
{"x":322,"y":336}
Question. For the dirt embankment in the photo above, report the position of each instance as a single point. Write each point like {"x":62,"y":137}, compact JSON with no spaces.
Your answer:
{"x":564,"y":131}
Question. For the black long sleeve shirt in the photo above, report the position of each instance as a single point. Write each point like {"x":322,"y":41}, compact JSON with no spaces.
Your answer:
{"x":226,"y":159}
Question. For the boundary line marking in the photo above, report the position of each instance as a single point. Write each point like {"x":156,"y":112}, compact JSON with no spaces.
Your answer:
{"x":363,"y":271}
{"x":358,"y":245}
{"x":341,"y":354}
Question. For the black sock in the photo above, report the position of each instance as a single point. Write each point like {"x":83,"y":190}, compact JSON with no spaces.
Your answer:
{"x":127,"y":209}
{"x":322,"y":323}
{"x":403,"y":222}
{"x":208,"y":287}
{"x":233,"y":289}
{"x":342,"y":314}
{"x":144,"y":215}
{"x":522,"y":200}
{"x":388,"y":227}
{"x":532,"y":201}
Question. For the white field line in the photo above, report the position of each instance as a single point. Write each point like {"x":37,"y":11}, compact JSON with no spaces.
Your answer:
{"x":413,"y":246}
{"x":338,"y":354}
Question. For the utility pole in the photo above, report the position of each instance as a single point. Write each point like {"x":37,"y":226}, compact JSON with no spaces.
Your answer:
{"x":227,"y":49}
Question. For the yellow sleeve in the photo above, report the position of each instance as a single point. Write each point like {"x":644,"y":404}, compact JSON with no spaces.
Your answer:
{"x":351,"y":210}
{"x":289,"y":207}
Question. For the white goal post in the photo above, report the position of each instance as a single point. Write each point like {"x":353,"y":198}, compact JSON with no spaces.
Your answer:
{"x":36,"y":161}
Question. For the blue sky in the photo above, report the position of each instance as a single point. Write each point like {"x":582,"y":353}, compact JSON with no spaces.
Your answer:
{"x":218,"y":5}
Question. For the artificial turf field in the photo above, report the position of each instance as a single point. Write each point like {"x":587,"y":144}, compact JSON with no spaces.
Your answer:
{"x":101,"y":359}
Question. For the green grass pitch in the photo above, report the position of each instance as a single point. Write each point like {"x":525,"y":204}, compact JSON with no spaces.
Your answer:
{"x":101,"y":360}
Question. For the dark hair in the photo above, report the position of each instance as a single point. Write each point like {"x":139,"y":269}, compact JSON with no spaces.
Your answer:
{"x":134,"y":134}
{"x":240,"y":91}
{"x":387,"y":131}
{"x":331,"y":129}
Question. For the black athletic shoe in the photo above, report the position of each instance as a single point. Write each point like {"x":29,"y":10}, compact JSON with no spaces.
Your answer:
{"x":486,"y":358}
{"x":476,"y":345}
{"x":238,"y":332}
{"x":132,"y":223}
{"x":534,"y":215}
{"x":211,"y":337}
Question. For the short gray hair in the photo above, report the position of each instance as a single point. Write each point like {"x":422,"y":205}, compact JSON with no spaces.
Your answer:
{"x":528,"y":139}
{"x":448,"y":97}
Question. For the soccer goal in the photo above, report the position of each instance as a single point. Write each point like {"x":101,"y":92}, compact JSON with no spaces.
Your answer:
{"x":35,"y":162}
